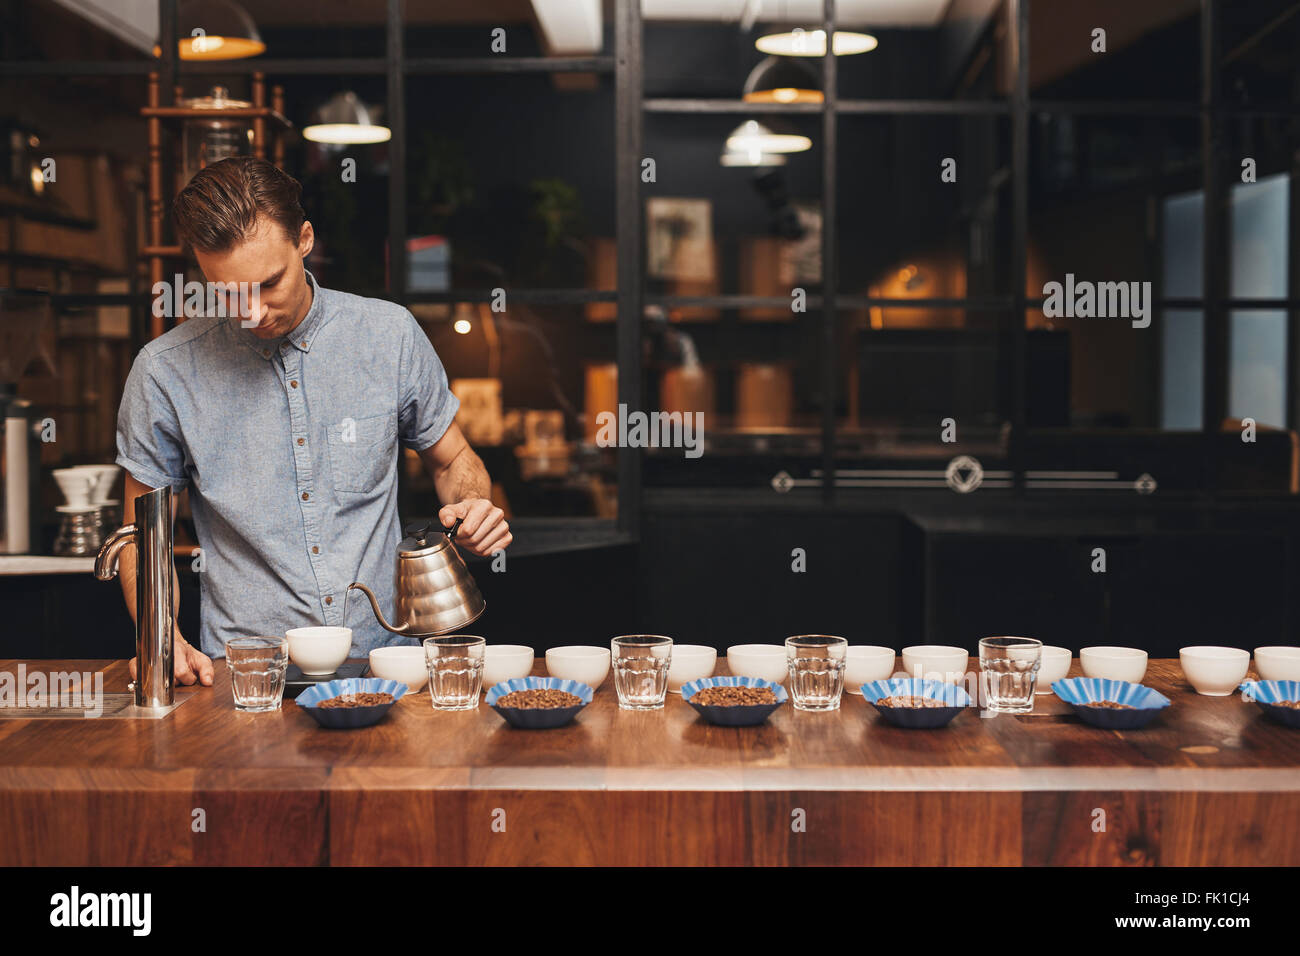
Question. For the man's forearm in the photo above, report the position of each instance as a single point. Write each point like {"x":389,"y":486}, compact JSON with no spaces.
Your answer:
{"x":464,"y":477}
{"x":126,"y":574}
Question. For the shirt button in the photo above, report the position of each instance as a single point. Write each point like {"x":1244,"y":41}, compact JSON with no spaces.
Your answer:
{"x":302,"y":441}
{"x":293,"y":384}
{"x":329,"y":600}
{"x":305,"y":496}
{"x":315,"y":549}
{"x":266,"y":353}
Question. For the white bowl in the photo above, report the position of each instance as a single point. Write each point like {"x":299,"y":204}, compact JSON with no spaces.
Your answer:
{"x":764,"y":661}
{"x":1054,"y":666}
{"x":936,"y":662}
{"x":401,"y":662}
{"x":864,"y":663}
{"x":1114,"y":663}
{"x":587,"y":665}
{"x":690,"y":662}
{"x":319,"y":650}
{"x":1214,"y":671}
{"x":1278,"y":663}
{"x":506,"y":662}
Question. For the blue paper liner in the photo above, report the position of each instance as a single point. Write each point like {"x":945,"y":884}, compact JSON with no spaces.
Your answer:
{"x":919,"y":718}
{"x":1079,"y":691}
{"x":349,"y":718}
{"x":1267,"y":693}
{"x":747,"y":715}
{"x":538,"y":718}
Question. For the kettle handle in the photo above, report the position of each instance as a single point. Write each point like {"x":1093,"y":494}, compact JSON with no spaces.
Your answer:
{"x":419,"y":529}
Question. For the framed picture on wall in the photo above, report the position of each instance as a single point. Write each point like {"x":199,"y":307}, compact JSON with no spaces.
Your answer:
{"x":679,"y":239}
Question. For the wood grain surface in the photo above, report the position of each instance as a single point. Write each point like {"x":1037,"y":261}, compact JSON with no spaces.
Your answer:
{"x":1212,"y":781}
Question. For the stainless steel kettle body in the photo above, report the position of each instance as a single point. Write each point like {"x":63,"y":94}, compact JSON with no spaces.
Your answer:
{"x":435,"y":593}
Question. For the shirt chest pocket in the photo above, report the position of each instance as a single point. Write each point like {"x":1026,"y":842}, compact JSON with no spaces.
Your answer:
{"x":362,"y":452}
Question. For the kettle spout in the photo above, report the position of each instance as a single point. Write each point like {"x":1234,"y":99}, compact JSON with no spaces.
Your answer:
{"x":374,"y":606}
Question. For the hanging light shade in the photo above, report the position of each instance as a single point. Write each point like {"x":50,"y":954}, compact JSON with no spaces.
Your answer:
{"x":752,"y":137}
{"x":216,"y":30}
{"x":752,"y":158}
{"x":799,"y":42}
{"x":344,"y":120}
{"x":779,"y":79}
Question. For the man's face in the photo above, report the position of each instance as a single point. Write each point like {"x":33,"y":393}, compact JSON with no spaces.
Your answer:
{"x":270,"y":260}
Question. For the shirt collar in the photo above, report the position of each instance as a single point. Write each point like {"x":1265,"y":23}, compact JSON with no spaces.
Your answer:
{"x":301,"y":337}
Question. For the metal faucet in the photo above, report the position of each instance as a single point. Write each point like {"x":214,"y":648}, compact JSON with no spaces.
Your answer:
{"x":151,"y":533}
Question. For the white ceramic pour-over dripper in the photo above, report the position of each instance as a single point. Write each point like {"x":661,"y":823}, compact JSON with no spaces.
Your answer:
{"x":76,"y":485}
{"x":105,"y":477}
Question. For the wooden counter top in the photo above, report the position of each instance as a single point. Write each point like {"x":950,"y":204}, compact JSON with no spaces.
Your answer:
{"x":1211,"y":781}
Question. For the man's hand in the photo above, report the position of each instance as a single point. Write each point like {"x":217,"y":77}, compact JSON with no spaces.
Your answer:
{"x":484,"y":528}
{"x":190,"y":664}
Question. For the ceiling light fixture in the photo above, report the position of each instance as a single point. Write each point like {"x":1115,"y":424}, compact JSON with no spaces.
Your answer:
{"x":345,"y":121}
{"x":779,"y":79}
{"x":751,"y":158}
{"x":800,"y":42}
{"x":752,"y":136}
{"x":216,"y":30}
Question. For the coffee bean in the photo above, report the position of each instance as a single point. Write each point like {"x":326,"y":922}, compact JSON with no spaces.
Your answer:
{"x":545,"y":698}
{"x":724,"y":696}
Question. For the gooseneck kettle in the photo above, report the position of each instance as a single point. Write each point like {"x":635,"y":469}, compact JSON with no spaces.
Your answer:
{"x":435,"y":592}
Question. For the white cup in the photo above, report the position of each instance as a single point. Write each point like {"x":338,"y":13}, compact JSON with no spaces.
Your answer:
{"x":936,"y":662}
{"x":583,"y":663}
{"x":1278,"y":663}
{"x":864,"y":663}
{"x":690,"y":662}
{"x":506,"y":662}
{"x":1055,"y":665}
{"x":1214,"y":671}
{"x":400,"y":662}
{"x":1114,"y":663}
{"x":764,"y":661}
{"x":319,"y":650}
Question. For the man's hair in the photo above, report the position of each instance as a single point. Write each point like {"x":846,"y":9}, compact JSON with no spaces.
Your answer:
{"x":218,"y":208}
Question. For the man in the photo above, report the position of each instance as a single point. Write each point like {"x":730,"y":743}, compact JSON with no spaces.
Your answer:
{"x":285,"y":427}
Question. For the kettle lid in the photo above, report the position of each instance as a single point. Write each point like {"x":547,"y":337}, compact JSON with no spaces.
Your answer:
{"x":426,"y":537}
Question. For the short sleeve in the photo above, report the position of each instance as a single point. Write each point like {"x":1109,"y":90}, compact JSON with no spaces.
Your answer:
{"x":428,"y":406}
{"x":148,"y":435}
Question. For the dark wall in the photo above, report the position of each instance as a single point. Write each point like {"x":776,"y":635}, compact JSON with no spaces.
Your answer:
{"x":1159,"y":592}
{"x":727,"y":578}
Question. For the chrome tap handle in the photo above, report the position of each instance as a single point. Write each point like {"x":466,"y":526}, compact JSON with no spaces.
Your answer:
{"x":106,"y":559}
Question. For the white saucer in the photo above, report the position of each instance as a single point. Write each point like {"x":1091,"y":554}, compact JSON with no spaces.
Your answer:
{"x":76,"y":509}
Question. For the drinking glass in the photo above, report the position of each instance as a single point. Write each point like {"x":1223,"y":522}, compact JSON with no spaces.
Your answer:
{"x":816,"y":664}
{"x":641,"y":663}
{"x":455,"y":670}
{"x":257,"y":667}
{"x":1009,"y":672}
